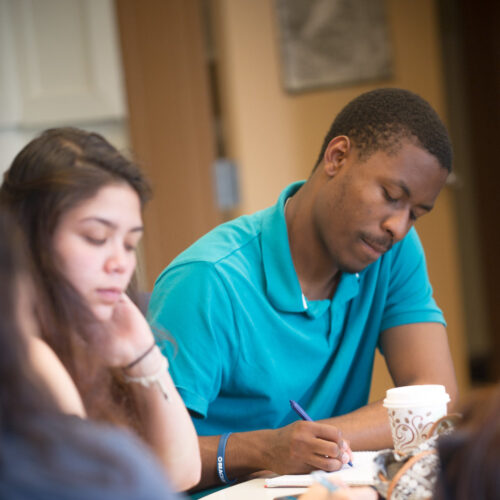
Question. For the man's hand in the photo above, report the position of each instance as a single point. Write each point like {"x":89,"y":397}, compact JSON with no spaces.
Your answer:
{"x":303,"y":446}
{"x":297,"y":448}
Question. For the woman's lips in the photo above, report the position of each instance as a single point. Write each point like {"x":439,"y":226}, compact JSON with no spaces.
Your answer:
{"x":109,"y":295}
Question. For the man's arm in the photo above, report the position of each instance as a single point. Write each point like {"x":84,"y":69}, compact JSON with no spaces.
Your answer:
{"x":297,"y":448}
{"x":415,"y":354}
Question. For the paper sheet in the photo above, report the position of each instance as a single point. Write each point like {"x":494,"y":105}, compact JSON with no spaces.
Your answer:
{"x":361,"y":473}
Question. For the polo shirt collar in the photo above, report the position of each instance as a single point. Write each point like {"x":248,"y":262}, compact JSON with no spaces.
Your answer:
{"x":282,"y":284}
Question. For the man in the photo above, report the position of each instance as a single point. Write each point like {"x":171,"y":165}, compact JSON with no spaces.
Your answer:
{"x":292,"y":301}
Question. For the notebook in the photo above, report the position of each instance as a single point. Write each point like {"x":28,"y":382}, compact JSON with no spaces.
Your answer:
{"x":362,"y":473}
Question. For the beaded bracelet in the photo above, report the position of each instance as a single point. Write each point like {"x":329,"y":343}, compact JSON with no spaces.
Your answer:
{"x":154,"y":378}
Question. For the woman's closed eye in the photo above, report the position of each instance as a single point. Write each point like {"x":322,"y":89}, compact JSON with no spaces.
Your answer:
{"x":95,"y":241}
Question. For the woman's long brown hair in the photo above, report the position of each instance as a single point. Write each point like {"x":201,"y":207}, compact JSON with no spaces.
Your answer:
{"x":21,"y":396}
{"x":52,"y":174}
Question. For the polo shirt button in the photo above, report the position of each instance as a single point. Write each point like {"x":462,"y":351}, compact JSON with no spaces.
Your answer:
{"x":357,"y":275}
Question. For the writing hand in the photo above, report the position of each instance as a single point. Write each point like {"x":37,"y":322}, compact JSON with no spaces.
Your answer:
{"x":303,"y":446}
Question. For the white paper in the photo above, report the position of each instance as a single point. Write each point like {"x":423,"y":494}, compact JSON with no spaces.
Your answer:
{"x":361,"y":473}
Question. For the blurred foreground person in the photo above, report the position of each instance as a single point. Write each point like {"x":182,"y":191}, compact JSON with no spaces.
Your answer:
{"x":45,"y":454}
{"x":469,"y":458}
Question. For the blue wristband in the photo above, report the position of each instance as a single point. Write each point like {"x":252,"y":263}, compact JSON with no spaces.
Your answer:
{"x":221,"y":456}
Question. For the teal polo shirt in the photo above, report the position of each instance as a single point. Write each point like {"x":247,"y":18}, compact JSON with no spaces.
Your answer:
{"x":246,"y":340}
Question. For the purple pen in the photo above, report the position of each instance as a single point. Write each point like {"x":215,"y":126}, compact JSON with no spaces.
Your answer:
{"x":300,"y":411}
{"x":303,"y":415}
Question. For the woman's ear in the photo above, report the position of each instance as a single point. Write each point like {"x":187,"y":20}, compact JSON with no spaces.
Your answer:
{"x":336,"y":153}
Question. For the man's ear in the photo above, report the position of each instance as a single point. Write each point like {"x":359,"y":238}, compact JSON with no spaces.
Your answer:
{"x":336,"y":153}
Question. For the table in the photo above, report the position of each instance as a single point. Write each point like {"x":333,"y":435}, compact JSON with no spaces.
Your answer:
{"x":252,"y":490}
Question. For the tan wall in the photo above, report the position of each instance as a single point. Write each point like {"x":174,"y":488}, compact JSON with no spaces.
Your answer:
{"x":275,"y":137}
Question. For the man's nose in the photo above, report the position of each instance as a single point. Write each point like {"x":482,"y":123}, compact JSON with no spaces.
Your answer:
{"x":397,"y":224}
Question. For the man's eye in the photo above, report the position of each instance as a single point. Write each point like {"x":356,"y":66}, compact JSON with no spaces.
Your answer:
{"x":388,"y":197}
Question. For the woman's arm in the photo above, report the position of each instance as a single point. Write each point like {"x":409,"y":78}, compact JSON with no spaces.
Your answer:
{"x":167,"y":425}
{"x":168,"y":428}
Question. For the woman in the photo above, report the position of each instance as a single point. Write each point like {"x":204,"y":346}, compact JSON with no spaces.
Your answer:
{"x":45,"y":454}
{"x":79,"y":202}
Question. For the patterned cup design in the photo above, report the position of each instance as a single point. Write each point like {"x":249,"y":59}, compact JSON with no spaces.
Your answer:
{"x":412,"y":411}
{"x":411,"y":426}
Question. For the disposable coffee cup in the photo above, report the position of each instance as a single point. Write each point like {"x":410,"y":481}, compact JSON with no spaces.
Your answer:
{"x":412,"y":411}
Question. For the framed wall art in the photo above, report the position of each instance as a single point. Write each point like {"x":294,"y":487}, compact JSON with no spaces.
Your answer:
{"x":332,"y":42}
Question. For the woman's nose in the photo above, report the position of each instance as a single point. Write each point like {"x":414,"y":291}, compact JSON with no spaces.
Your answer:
{"x":116,"y":262}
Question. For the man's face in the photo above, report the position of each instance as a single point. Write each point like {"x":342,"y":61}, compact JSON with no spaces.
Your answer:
{"x":365,"y":207}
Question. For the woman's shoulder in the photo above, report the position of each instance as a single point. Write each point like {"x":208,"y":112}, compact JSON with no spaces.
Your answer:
{"x":52,"y":373}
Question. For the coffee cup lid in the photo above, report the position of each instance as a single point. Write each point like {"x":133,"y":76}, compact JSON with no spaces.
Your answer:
{"x":416,"y":395}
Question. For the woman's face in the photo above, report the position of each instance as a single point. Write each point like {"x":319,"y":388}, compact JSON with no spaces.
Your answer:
{"x":96,"y":243}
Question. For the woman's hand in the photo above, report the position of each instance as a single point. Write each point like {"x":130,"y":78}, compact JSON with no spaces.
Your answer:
{"x":126,"y":335}
{"x":166,"y":423}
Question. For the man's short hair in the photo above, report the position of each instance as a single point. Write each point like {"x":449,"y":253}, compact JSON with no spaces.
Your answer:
{"x":378,"y":120}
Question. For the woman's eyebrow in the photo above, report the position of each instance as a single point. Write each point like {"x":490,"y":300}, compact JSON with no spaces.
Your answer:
{"x":111,"y":225}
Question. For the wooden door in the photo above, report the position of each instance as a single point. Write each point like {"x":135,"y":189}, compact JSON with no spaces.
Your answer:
{"x":171,"y":125}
